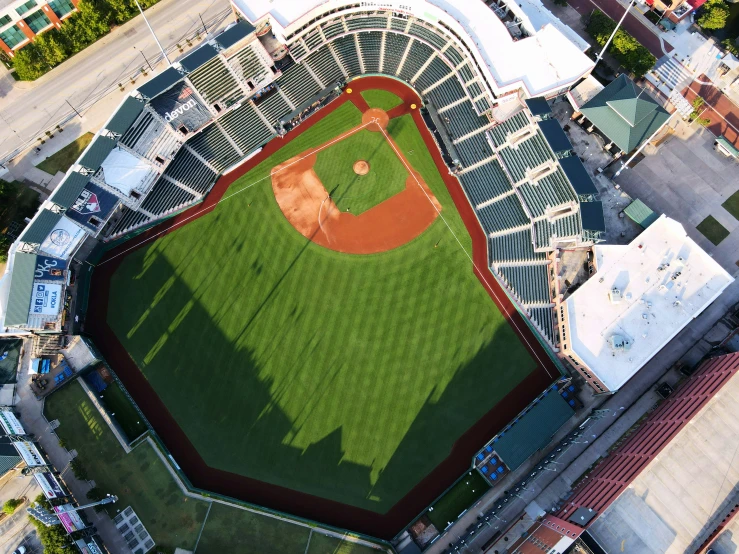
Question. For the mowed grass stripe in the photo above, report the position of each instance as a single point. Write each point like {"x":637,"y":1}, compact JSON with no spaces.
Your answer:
{"x":347,"y":377}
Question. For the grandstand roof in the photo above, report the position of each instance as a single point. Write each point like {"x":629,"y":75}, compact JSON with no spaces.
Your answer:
{"x":577,"y":175}
{"x":533,"y":430}
{"x":69,"y":189}
{"x":160,"y":83}
{"x":547,"y":61}
{"x":625,"y":113}
{"x":198,"y":57}
{"x":21,"y":288}
{"x":664,"y":280}
{"x":234,"y":34}
{"x":125,"y":116}
{"x":592,"y":216}
{"x":554,"y":135}
{"x":40,"y":227}
{"x":538,"y":106}
{"x":96,"y":153}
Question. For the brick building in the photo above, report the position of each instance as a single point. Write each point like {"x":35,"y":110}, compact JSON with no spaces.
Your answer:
{"x":22,"y":20}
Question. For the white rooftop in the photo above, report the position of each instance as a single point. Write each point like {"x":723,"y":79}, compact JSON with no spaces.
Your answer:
{"x":641,"y":296}
{"x":548,"y":60}
{"x":682,"y":495}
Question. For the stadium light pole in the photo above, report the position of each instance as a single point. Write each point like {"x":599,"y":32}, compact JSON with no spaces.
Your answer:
{"x":159,"y":44}
{"x":613,"y":34}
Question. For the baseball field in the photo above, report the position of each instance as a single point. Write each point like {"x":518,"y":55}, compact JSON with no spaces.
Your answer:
{"x":288,"y":361}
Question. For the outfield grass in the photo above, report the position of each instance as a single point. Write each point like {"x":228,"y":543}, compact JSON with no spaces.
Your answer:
{"x":240,"y":531}
{"x":359,"y":193}
{"x":344,"y":376}
{"x":139,"y":478}
{"x":322,"y":544}
{"x":64,"y":158}
{"x":713,"y":230}
{"x":123,"y":411}
{"x":732,"y":205}
{"x":381,"y":99}
{"x":457,"y":499}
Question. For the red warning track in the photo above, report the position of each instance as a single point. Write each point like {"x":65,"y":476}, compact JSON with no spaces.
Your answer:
{"x":384,"y":526}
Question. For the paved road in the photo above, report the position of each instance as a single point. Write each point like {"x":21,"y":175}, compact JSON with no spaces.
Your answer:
{"x":632,"y":24}
{"x":26,"y":109}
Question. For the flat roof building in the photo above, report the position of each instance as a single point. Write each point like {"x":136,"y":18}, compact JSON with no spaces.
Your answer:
{"x":640,"y":297}
{"x":671,"y":487}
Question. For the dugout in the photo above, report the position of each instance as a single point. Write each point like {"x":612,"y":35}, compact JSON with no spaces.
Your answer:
{"x":531,"y":431}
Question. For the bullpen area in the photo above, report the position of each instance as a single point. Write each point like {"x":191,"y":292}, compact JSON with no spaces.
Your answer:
{"x":314,"y":338}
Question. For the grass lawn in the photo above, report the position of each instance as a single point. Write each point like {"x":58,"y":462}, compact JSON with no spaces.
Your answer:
{"x":124,"y":412}
{"x":240,"y":531}
{"x":139,"y":478}
{"x":732,"y":204}
{"x":381,"y":99}
{"x":457,"y":499}
{"x":64,"y":158}
{"x":344,"y":376}
{"x":322,"y":544}
{"x":359,"y":193}
{"x":713,"y":230}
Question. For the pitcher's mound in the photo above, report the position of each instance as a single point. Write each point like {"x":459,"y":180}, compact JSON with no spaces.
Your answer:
{"x":361,"y":167}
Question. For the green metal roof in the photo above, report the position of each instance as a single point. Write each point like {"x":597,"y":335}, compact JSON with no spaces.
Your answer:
{"x":69,"y":189}
{"x":231,"y":36}
{"x":126,"y":115}
{"x":533,"y":430}
{"x":21,"y":288}
{"x":592,"y":216}
{"x":97,"y":152}
{"x":640,"y":213}
{"x":40,"y":227}
{"x":728,"y":146}
{"x":625,"y":113}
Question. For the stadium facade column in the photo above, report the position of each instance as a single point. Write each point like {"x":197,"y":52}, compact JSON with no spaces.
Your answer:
{"x":5,"y":48}
{"x":52,"y":16}
{"x":76,"y":4}
{"x":26,"y":29}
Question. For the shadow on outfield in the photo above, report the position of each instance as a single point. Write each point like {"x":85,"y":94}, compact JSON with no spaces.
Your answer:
{"x":232,"y":415}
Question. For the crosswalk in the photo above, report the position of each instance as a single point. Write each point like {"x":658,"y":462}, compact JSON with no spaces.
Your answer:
{"x":672,"y":74}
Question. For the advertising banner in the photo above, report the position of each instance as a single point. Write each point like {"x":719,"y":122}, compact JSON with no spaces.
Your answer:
{"x":10,"y":423}
{"x":88,"y":546}
{"x":49,"y":269}
{"x":62,"y":241}
{"x":46,"y":299}
{"x":69,"y":517}
{"x":29,"y":453}
{"x":92,"y":207}
{"x":181,"y":108}
{"x":49,"y":484}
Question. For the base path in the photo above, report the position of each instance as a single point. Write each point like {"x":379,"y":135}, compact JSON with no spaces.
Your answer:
{"x":306,"y":204}
{"x":202,"y":476}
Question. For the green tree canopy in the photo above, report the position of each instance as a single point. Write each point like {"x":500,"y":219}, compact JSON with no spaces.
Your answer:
{"x":714,"y":14}
{"x":625,"y":48}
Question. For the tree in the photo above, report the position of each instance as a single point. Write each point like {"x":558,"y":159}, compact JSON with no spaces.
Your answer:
{"x":29,"y":64}
{"x":625,"y":48}
{"x":11,"y":505}
{"x":714,"y":14}
{"x":78,"y":469}
{"x":730,"y":46}
{"x":52,"y":47}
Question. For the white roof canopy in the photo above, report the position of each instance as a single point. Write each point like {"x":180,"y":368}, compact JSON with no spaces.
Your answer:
{"x":126,"y":172}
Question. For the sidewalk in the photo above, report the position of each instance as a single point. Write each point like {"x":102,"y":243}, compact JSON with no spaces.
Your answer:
{"x":33,"y":421}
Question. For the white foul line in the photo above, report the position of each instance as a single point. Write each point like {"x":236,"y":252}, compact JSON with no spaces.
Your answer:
{"x":469,"y":256}
{"x":199,"y":212}
{"x":410,"y":171}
